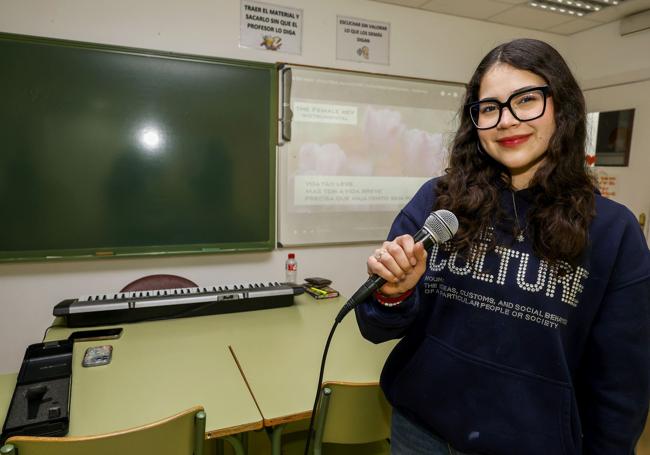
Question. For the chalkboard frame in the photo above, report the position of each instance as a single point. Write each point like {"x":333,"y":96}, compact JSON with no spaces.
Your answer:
{"x":168,"y":249}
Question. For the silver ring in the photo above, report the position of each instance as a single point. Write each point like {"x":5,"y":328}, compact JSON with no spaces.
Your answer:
{"x":379,"y":254}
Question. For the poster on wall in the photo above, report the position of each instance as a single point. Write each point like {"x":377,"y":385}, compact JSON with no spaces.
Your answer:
{"x":360,"y":40}
{"x":270,"y":27}
{"x":607,"y":184}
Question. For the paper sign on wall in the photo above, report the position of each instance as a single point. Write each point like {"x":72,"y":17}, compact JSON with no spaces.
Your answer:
{"x":607,"y":184}
{"x":360,"y":40}
{"x":270,"y":27}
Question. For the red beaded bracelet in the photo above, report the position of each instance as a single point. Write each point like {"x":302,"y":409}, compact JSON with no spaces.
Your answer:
{"x":392,"y":301}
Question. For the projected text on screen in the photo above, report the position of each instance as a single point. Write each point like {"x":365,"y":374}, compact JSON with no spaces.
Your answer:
{"x":362,"y":145}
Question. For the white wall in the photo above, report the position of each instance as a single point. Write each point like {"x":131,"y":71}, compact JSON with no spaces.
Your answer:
{"x":614,"y":70}
{"x":602,"y":57}
{"x":632,"y":182}
{"x":422,"y":45}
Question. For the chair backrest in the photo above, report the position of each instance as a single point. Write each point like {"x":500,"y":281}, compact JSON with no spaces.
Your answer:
{"x":160,"y":281}
{"x":182,"y":434}
{"x":352,"y":414}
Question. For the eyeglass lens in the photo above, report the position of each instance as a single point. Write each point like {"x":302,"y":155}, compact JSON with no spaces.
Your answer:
{"x":524,"y":106}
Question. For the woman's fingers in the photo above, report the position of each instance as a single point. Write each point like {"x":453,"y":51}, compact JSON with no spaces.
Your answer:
{"x":398,"y":259}
{"x":400,"y":262}
{"x":377,"y":265}
{"x":420,"y":256}
{"x":408,"y":244}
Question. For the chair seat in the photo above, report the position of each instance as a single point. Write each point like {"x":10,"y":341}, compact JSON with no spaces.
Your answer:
{"x":294,"y":444}
{"x":159,"y":281}
{"x":371,"y":448}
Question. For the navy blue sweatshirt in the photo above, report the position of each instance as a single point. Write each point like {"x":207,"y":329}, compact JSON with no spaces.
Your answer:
{"x":510,"y":356}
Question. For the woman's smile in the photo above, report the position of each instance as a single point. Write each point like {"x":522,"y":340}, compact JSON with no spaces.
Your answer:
{"x":513,"y":141}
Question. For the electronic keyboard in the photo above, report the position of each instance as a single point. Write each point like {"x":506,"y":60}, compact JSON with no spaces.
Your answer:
{"x":139,"y":306}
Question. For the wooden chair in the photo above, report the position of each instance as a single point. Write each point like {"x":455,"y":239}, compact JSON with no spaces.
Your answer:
{"x":182,"y":434}
{"x":357,"y":415}
{"x":166,"y":281}
{"x":160,"y":281}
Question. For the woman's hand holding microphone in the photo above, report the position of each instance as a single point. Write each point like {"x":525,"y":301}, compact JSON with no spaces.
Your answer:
{"x":400,"y":262}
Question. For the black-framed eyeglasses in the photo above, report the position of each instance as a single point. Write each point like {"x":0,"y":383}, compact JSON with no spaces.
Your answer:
{"x":525,"y":105}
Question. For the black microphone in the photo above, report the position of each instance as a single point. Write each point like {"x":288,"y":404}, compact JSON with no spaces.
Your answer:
{"x":439,"y":227}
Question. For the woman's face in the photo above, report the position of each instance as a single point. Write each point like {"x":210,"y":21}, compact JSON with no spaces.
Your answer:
{"x":519,"y":146}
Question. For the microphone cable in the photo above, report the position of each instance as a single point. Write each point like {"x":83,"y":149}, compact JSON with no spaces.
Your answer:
{"x":439,"y":227}
{"x":320,"y":381}
{"x":349,"y":305}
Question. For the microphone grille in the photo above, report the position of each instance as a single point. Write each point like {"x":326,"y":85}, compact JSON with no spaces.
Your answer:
{"x":442,"y":224}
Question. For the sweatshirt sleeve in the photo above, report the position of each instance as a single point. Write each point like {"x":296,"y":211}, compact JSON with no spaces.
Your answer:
{"x":378,"y":323}
{"x":614,"y":382}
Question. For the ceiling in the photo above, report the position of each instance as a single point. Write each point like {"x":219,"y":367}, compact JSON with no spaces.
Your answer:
{"x":519,"y":13}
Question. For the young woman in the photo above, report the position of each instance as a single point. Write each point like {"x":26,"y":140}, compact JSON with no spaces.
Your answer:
{"x":528,"y":333}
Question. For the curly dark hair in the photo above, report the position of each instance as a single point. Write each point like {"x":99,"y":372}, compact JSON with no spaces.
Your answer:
{"x":564,"y":197}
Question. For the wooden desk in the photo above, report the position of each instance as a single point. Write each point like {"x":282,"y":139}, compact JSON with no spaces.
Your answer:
{"x":158,"y":369}
{"x":7,"y":385}
{"x":280,"y":353}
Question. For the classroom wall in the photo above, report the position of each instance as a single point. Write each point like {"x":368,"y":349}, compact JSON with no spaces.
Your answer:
{"x":614,"y":72}
{"x":602,"y":57}
{"x":423,"y":44}
{"x":632,"y":184}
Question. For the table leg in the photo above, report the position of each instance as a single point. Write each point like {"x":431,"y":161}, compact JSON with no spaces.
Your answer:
{"x":236,"y":444}
{"x":276,"y":440}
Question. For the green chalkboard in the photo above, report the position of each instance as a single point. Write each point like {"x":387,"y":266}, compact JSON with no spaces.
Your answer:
{"x":111,"y":151}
